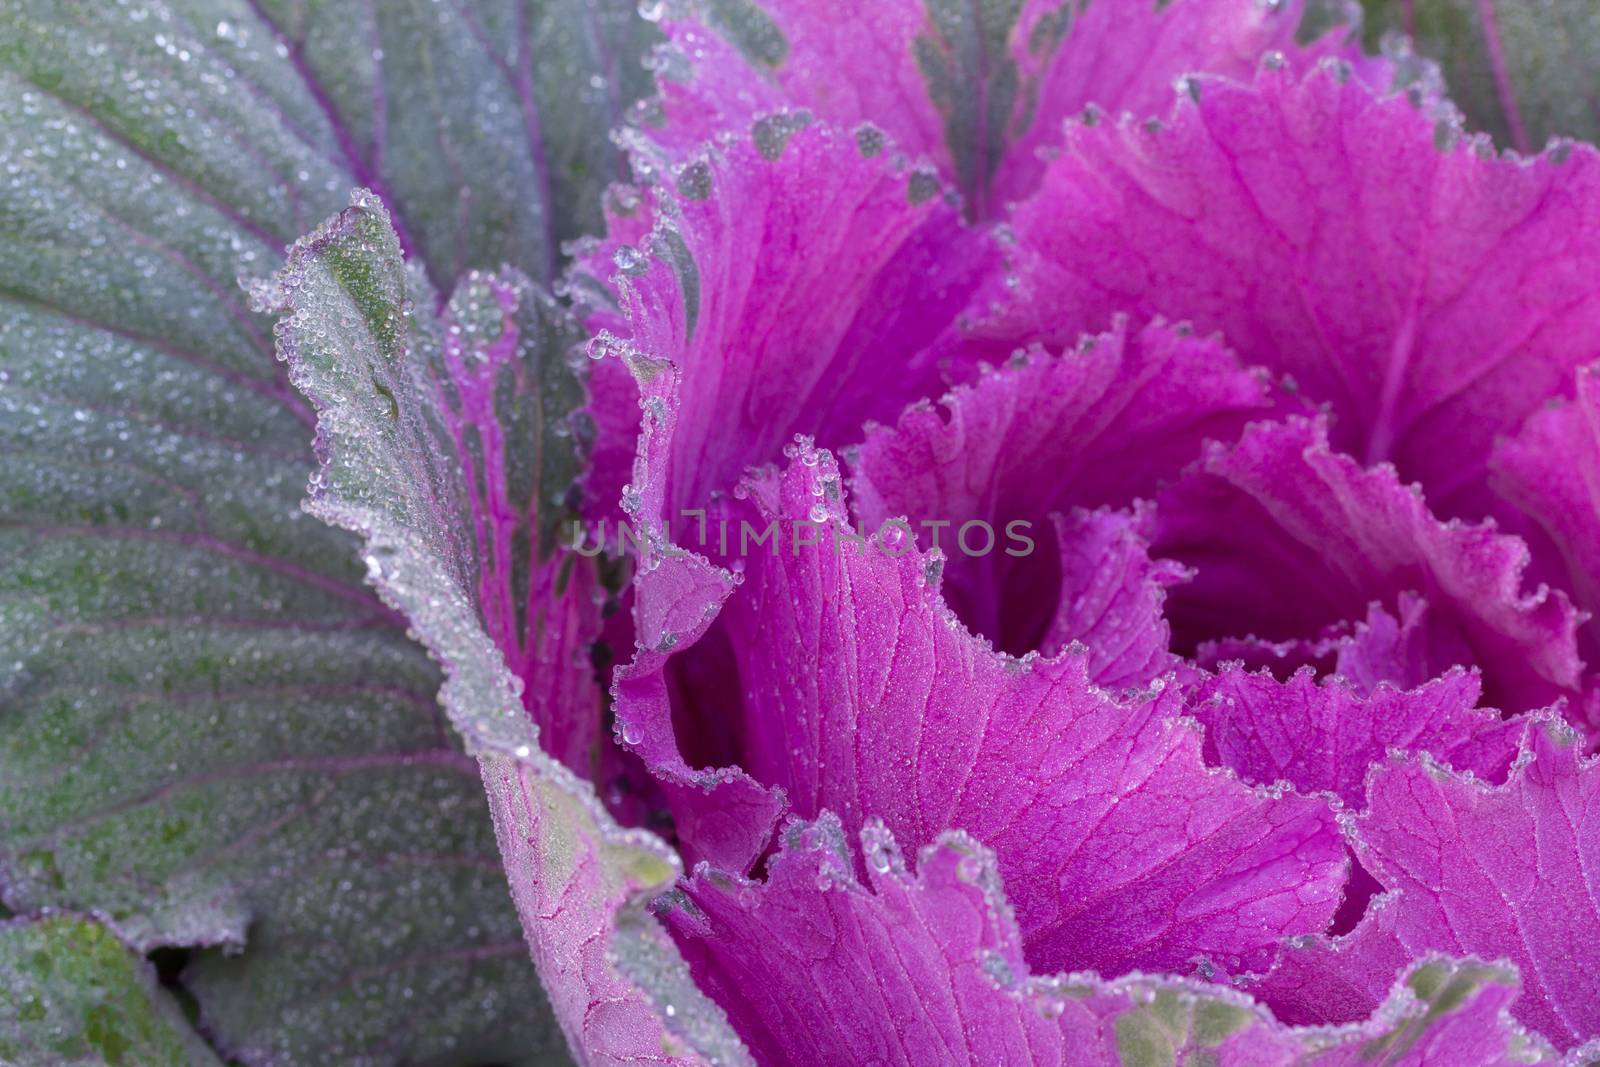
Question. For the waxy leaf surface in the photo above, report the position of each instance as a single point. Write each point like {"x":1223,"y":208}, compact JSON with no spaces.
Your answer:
{"x":213,"y":733}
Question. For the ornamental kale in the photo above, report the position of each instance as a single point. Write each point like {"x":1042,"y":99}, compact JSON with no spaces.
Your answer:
{"x":922,"y":532}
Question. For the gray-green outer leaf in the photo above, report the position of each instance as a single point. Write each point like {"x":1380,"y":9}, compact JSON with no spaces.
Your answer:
{"x":357,"y":333}
{"x":1527,"y":72}
{"x":75,"y":996}
{"x":211,"y":733}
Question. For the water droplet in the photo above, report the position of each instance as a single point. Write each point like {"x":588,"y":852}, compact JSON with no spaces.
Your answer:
{"x":630,"y":261}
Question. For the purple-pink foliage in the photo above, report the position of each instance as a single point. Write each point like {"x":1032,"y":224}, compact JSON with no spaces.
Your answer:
{"x":1270,"y":750}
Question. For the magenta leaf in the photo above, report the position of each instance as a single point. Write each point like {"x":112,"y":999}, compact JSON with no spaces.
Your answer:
{"x":904,"y":715}
{"x":1111,"y":599}
{"x":1432,"y":293}
{"x":1400,"y":649}
{"x":1102,"y":424}
{"x":1283,"y":510}
{"x":796,"y":284}
{"x":818,"y":966}
{"x":1498,"y":871}
{"x":847,"y":683}
{"x":1551,"y":471}
{"x":977,"y":89}
{"x":1325,"y":737}
{"x":1109,"y":420}
{"x":721,"y":814}
{"x":1336,"y":979}
{"x":1430,"y":833}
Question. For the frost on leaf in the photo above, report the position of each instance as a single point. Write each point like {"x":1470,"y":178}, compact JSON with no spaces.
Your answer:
{"x":357,"y":332}
{"x":1112,"y":597}
{"x":484,"y":125}
{"x":211,"y":732}
{"x":1399,"y":647}
{"x":1102,"y":424}
{"x":1428,"y":834}
{"x":1282,"y":510}
{"x":841,"y":678}
{"x":1498,"y":871}
{"x":1327,"y":735}
{"x":1432,"y":296}
{"x":975,"y":88}
{"x":1551,"y":471}
{"x":820,"y":965}
{"x":808,"y":290}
